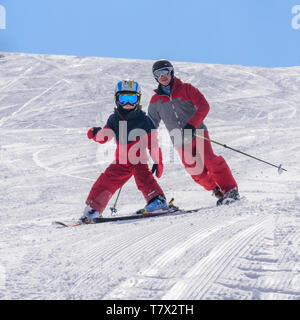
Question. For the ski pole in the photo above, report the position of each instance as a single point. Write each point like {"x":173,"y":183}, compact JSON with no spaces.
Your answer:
{"x":280,"y":169}
{"x":114,"y":209}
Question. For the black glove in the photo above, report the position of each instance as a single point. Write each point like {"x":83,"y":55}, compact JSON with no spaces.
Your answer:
{"x":93,"y":131}
{"x":157,"y":169}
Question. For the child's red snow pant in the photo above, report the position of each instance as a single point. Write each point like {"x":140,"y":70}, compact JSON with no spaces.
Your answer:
{"x":208,"y":170}
{"x":115,"y":176}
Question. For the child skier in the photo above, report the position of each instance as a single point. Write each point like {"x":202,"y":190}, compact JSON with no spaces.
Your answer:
{"x":131,"y":155}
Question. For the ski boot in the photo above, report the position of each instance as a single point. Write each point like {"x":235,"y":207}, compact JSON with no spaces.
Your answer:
{"x":217,"y":193}
{"x":89,"y":214}
{"x":229,"y":197}
{"x":157,"y":203}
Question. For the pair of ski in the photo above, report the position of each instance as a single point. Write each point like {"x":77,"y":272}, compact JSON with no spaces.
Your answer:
{"x":171,"y":210}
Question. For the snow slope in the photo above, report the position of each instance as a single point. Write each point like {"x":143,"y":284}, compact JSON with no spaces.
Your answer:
{"x":250,"y":250}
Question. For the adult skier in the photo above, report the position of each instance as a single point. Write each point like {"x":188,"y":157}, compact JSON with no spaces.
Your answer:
{"x":182,"y":107}
{"x":134,"y":133}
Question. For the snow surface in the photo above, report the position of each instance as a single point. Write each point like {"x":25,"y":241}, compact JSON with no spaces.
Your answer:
{"x":249,"y":250}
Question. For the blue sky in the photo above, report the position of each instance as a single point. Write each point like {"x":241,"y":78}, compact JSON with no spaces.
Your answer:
{"x":246,"y":32}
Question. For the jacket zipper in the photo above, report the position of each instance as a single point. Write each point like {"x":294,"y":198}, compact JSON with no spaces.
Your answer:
{"x":173,"y":108}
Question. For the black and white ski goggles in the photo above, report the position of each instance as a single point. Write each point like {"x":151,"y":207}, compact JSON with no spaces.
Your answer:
{"x":165,"y":71}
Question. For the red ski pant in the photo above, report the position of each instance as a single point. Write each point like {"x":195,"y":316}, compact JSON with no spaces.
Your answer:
{"x":205,"y":167}
{"x":115,"y":176}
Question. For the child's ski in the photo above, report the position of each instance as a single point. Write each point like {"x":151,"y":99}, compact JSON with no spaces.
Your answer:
{"x":138,"y":215}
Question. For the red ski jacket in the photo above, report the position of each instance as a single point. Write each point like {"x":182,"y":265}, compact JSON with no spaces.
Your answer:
{"x":133,"y":135}
{"x":185,"y":105}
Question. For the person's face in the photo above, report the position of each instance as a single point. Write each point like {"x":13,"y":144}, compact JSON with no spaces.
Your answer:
{"x":165,"y":80}
{"x":128,"y":106}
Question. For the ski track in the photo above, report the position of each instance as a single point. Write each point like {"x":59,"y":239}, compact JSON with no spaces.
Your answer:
{"x":198,"y":247}
{"x":25,"y":105}
{"x":249,"y":250}
{"x":196,"y":282}
{"x":40,"y":164}
{"x":153,"y":242}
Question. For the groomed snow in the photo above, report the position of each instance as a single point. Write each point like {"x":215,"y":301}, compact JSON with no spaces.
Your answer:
{"x":249,"y":250}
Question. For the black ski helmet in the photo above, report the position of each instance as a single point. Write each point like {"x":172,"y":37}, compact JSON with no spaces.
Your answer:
{"x":162,"y":64}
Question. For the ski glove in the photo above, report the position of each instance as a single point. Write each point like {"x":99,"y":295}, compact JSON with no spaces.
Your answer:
{"x":190,"y":127}
{"x":158,"y":169}
{"x":93,"y":131}
{"x":187,"y":134}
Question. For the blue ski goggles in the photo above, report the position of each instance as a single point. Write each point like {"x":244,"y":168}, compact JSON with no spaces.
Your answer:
{"x":162,"y":72}
{"x":131,"y":99}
